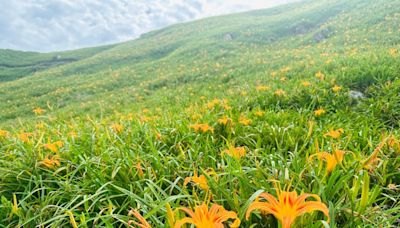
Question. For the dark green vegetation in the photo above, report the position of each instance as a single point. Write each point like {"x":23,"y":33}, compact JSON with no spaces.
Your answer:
{"x":115,"y":107}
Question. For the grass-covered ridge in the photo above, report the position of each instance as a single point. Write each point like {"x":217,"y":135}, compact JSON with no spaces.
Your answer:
{"x":17,"y":64}
{"x":303,"y":96}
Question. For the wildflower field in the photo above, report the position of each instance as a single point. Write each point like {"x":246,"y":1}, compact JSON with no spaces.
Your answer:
{"x":290,"y":121}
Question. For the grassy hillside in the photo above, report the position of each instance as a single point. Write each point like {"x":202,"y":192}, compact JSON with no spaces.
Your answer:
{"x":302,"y":96}
{"x":17,"y":64}
{"x":152,"y":61}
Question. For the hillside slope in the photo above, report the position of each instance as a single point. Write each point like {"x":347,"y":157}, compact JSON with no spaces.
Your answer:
{"x":302,"y":98}
{"x":151,"y":62}
{"x":17,"y":64}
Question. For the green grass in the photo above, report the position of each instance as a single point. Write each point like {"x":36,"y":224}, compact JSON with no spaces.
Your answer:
{"x":157,"y":87}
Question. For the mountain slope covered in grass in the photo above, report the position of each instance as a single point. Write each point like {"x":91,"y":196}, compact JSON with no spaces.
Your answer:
{"x":186,"y":52}
{"x":17,"y":64}
{"x":303,"y":96}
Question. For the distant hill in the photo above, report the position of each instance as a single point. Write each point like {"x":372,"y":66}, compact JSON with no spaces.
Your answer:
{"x":17,"y":64}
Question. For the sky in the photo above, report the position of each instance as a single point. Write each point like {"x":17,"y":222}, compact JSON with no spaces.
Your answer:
{"x":54,"y":25}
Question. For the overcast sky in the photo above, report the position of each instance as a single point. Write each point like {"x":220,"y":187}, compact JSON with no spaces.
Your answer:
{"x":50,"y":25}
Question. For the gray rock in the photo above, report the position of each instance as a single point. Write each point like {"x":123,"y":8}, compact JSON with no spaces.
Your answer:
{"x":56,"y":58}
{"x":356,"y":94}
{"x":322,"y":35}
{"x":228,"y":37}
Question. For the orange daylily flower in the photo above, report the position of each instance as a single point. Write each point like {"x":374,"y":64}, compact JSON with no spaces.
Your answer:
{"x":331,"y":159}
{"x":243,"y":120}
{"x":262,"y":88}
{"x":280,"y":92}
{"x":38,"y":111}
{"x":393,"y":52}
{"x":51,"y":162}
{"x":235,"y":152}
{"x":53,"y":146}
{"x":319,"y":112}
{"x":393,"y":143}
{"x":142,"y":222}
{"x":139,"y":169}
{"x":227,"y":107}
{"x":373,"y":158}
{"x":334,"y":133}
{"x":336,"y":88}
{"x":224,"y":120}
{"x":128,"y":117}
{"x":288,"y":207}
{"x":201,"y":181}
{"x":320,"y":75}
{"x":4,"y":133}
{"x":212,"y":104}
{"x":202,"y":217}
{"x":202,"y":128}
{"x":306,"y":84}
{"x":117,"y":128}
{"x":145,"y":119}
{"x":25,"y":137}
{"x":158,"y":136}
{"x":259,"y":113}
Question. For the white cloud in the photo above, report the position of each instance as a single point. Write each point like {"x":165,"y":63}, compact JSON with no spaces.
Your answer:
{"x":48,"y":25}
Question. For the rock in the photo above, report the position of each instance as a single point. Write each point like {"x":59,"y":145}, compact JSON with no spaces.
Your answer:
{"x":322,"y":35}
{"x":228,"y":37}
{"x":318,"y":37}
{"x":356,"y":94}
{"x":56,"y":58}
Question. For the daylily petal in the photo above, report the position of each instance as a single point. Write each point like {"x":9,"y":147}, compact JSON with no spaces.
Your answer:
{"x":304,"y":196}
{"x":188,"y":211}
{"x":287,"y":222}
{"x":227,"y":215}
{"x":311,"y":206}
{"x":183,"y":221}
{"x":235,"y":224}
{"x":265,"y":207}
{"x":270,"y":198}
{"x":142,"y":222}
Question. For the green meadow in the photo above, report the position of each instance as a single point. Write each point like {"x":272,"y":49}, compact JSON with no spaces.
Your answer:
{"x":231,"y":111}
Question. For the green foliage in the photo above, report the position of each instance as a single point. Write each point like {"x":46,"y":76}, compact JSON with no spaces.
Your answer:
{"x":114,"y":129}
